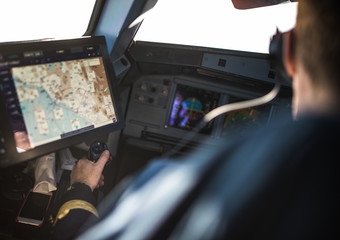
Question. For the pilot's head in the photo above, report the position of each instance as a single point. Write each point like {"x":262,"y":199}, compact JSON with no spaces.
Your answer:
{"x":311,"y":55}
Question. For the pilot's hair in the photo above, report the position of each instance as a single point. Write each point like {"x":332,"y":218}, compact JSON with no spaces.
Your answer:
{"x":318,"y":40}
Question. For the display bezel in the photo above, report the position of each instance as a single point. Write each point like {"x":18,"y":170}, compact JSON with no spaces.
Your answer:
{"x":12,"y":52}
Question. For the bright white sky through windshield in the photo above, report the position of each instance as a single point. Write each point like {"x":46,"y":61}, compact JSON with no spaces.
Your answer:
{"x":38,"y":19}
{"x":207,"y":23}
{"x":215,"y":23}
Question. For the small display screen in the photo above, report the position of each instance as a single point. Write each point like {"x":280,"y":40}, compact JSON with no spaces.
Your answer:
{"x":189,"y":106}
{"x":241,"y":121}
{"x":56,"y":93}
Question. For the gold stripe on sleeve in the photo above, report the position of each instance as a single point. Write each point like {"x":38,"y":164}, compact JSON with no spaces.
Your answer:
{"x":75,"y":204}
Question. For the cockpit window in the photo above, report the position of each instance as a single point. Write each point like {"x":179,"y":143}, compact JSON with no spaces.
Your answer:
{"x":40,"y":19}
{"x":216,"y":24}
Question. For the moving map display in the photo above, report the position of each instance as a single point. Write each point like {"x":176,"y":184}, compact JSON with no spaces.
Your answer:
{"x":59,"y":98}
{"x":52,"y":94}
{"x":243,"y":120}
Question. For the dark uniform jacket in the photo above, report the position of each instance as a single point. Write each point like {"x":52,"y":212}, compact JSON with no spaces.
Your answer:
{"x":276,"y":183}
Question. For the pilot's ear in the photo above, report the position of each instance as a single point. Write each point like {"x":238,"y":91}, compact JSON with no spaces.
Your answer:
{"x":288,"y":52}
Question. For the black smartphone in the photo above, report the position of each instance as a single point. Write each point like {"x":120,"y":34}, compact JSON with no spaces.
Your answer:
{"x":33,"y":208}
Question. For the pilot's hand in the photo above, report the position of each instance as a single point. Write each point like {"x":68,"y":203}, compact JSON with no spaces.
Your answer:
{"x":89,"y":172}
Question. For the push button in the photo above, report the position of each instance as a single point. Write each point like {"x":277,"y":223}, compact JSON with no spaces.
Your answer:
{"x":2,"y":146}
{"x":2,"y":151}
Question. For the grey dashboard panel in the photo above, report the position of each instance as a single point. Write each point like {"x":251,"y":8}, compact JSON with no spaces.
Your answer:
{"x":152,"y":106}
{"x":256,"y":68}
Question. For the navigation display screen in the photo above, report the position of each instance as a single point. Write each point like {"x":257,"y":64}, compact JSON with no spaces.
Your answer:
{"x":243,"y":120}
{"x":52,"y":94}
{"x":189,"y":106}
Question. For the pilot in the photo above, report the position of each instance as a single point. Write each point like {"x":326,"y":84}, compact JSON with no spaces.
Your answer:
{"x":280,"y":183}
